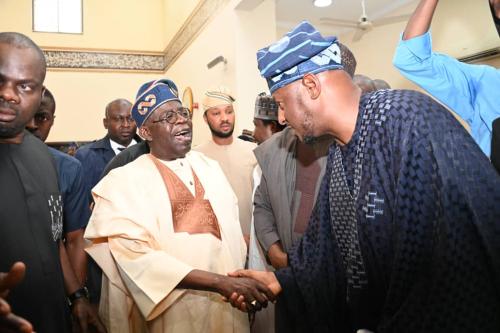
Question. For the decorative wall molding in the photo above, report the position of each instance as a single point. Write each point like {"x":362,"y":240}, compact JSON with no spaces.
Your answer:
{"x":105,"y":60}
{"x":154,"y":62}
{"x":191,"y":28}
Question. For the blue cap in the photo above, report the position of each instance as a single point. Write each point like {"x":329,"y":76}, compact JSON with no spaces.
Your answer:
{"x":152,"y":95}
{"x":303,"y":50}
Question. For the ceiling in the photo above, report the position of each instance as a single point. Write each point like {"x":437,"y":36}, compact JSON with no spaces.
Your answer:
{"x":290,"y":12}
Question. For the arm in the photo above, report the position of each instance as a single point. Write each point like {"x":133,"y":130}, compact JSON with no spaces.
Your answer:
{"x":75,"y":245}
{"x":278,"y":257}
{"x":249,"y":288}
{"x":420,"y":21}
{"x":76,"y":217}
{"x":265,"y":223}
{"x":81,"y":310}
{"x":451,"y":82}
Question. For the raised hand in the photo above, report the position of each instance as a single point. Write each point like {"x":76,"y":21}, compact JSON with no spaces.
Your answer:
{"x":10,"y":323}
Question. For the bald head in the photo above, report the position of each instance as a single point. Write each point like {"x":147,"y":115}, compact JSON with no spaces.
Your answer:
{"x":364,"y":82}
{"x":21,"y":41}
{"x":381,"y":84}
{"x":117,"y":103}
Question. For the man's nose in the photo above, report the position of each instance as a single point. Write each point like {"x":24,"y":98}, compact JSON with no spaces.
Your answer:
{"x":281,"y":117}
{"x":8,"y":93}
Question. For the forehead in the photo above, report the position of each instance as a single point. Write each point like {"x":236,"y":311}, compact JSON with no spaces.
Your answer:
{"x":20,"y":64}
{"x":46,"y":105}
{"x":167,"y":106}
{"x":283,"y":92}
{"x":119,"y":109}
{"x":221,"y":108}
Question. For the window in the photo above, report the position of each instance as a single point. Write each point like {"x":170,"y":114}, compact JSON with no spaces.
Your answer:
{"x":58,"y":16}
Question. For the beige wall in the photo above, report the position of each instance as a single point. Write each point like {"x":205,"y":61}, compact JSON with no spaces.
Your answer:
{"x":107,"y":24}
{"x":175,"y":13}
{"x":81,"y":98}
{"x":459,"y":28}
{"x":234,"y":35}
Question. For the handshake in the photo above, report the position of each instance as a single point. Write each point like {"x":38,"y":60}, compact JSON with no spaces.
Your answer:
{"x":249,"y":290}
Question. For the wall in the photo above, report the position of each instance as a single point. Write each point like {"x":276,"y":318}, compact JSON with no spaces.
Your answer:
{"x":234,"y":35}
{"x":175,"y":13}
{"x":107,"y":24}
{"x":453,"y":33}
{"x":81,"y":98}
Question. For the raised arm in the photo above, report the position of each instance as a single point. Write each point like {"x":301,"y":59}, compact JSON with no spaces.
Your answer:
{"x":420,"y":21}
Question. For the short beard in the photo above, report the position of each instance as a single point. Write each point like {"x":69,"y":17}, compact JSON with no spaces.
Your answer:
{"x":10,"y":132}
{"x":220,"y":134}
{"x":308,"y":124}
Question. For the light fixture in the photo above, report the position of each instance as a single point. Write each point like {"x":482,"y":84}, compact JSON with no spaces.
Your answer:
{"x":322,"y":3}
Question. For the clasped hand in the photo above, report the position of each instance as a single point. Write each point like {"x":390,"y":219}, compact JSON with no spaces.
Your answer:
{"x":250,"y":291}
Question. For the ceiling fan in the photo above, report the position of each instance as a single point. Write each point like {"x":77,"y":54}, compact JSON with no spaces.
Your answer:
{"x":364,"y":24}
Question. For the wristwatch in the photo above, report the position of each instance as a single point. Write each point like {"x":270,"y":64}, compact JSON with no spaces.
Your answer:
{"x":79,"y":293}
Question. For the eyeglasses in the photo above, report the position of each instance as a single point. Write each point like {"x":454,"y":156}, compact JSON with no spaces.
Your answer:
{"x":172,"y":116}
{"x":123,"y":120}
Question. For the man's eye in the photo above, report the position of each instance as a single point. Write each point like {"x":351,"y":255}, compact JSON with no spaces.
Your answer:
{"x":25,"y":87}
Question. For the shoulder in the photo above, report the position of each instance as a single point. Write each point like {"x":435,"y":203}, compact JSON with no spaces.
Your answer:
{"x":127,"y":156}
{"x":242,"y":144}
{"x":282,"y":142}
{"x":36,"y":147}
{"x":200,"y":158}
{"x":125,"y":178}
{"x":203,"y":146}
{"x":64,"y":160}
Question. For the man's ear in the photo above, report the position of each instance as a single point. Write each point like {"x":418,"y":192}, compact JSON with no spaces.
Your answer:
{"x":145,"y":133}
{"x":105,"y":122}
{"x":205,"y":117}
{"x":312,"y":85}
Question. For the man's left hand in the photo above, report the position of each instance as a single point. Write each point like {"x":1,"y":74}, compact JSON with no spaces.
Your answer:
{"x":85,"y":315}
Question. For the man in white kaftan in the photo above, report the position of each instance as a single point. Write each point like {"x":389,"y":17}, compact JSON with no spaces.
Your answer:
{"x":165,"y":232}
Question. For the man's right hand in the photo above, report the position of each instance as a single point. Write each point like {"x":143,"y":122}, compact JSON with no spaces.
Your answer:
{"x":266,"y":278}
{"x":253,"y":293}
{"x":277,"y":257}
{"x":10,"y":323}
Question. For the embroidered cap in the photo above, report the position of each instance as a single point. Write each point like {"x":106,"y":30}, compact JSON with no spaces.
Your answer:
{"x":152,"y":95}
{"x":302,"y":50}
{"x":216,"y":97}
{"x":266,"y":107}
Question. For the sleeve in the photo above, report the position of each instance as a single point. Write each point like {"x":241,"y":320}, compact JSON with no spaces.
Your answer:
{"x":149,"y":273}
{"x":495,"y":145}
{"x":445,"y":78}
{"x":312,"y":281}
{"x":264,"y":221}
{"x":447,"y":215}
{"x":76,"y":202}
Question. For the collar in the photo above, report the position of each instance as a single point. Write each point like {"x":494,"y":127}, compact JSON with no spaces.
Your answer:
{"x":116,"y":146}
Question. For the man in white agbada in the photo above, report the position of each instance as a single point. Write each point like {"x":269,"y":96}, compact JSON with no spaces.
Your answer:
{"x":165,"y":232}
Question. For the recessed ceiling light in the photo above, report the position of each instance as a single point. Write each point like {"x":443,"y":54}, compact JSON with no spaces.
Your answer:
{"x":322,"y":3}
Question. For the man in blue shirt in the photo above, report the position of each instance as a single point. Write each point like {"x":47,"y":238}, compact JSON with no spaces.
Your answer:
{"x":469,"y":90}
{"x":76,"y":210}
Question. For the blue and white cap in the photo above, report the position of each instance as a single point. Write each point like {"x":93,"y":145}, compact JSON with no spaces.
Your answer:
{"x":303,"y":50}
{"x":152,"y":95}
